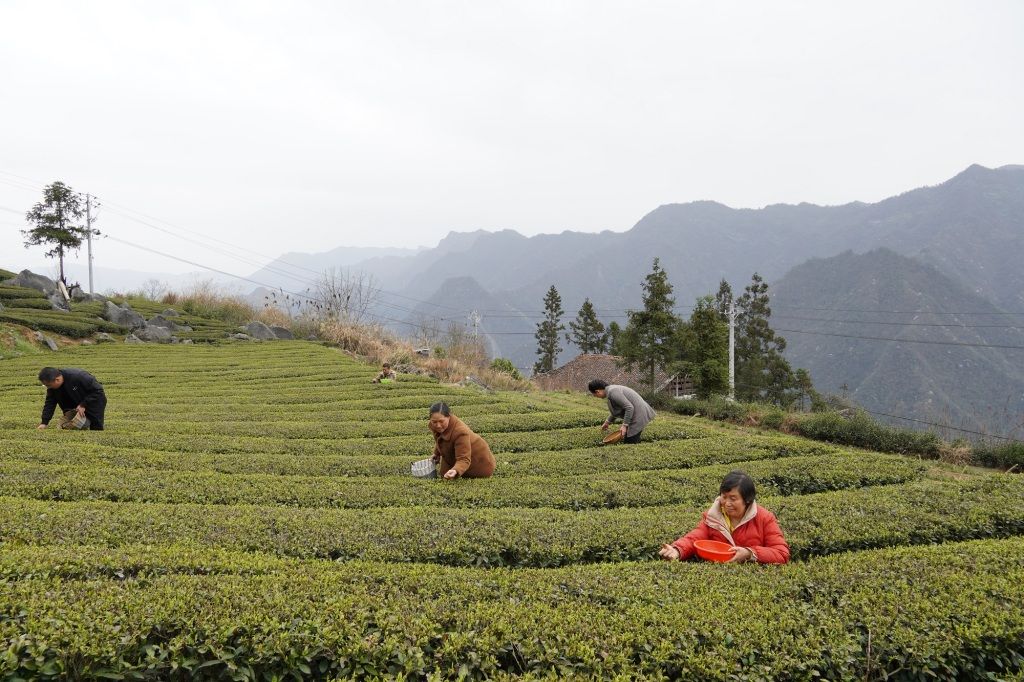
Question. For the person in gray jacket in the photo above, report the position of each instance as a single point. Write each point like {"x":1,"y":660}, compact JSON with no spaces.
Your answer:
{"x":626,"y":404}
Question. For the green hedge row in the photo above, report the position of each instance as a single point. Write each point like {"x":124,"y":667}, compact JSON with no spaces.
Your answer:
{"x":253,"y":620}
{"x":650,"y":456}
{"x":1001,"y":455}
{"x":790,"y":476}
{"x":9,"y":292}
{"x":922,"y":512}
{"x":398,"y":446}
{"x":32,"y":303}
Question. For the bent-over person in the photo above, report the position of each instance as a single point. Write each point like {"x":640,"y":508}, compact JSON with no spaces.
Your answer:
{"x":73,"y":389}
{"x":385,"y":373}
{"x":626,"y":404}
{"x":458,"y":451}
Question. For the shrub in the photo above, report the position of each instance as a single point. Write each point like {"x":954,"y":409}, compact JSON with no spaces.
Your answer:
{"x":1000,"y":455}
{"x":505,"y":366}
{"x":862,"y":431}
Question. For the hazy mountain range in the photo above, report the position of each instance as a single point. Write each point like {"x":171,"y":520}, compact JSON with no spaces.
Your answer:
{"x":952,"y":248}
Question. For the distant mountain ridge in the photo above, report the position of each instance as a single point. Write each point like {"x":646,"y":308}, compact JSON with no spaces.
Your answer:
{"x":968,"y":232}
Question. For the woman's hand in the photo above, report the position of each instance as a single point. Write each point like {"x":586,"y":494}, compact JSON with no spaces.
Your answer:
{"x":435,"y":458}
{"x":81,"y":410}
{"x":604,"y":427}
{"x":622,"y":430}
{"x":669,"y":553}
{"x":741,"y":556}
{"x":450,"y":474}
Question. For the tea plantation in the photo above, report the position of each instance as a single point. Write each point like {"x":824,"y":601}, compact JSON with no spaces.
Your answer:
{"x":249,"y":514}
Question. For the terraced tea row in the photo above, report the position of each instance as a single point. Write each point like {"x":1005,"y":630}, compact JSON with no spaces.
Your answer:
{"x":790,"y":476}
{"x":922,"y":512}
{"x":265,"y":619}
{"x":650,"y":456}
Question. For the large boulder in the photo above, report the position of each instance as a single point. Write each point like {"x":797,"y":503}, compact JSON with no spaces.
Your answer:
{"x":258,"y":330}
{"x":240,"y":337}
{"x":27,"y":278}
{"x":154,"y":334}
{"x":124,"y":316}
{"x":170,"y":312}
{"x":282,"y":333}
{"x":103,"y":337}
{"x":131,"y":338}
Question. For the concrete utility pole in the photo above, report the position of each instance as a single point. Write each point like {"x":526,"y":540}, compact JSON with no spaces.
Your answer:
{"x":732,"y":351}
{"x":475,"y":318}
{"x":88,"y":235}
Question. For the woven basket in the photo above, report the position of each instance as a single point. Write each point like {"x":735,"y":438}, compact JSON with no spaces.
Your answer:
{"x":613,"y":437}
{"x":424,"y":468}
{"x":72,"y":421}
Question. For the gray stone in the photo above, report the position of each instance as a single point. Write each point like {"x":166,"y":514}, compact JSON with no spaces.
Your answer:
{"x":161,"y":321}
{"x":123,"y":316}
{"x":241,"y":337}
{"x":187,"y":342}
{"x":79,"y":295}
{"x":258,"y":330}
{"x":103,"y":337}
{"x":155,"y":334}
{"x":46,"y":341}
{"x":170,"y":312}
{"x":57,"y":302}
{"x":131,"y":338}
{"x":282,"y":333}
{"x":29,"y":279}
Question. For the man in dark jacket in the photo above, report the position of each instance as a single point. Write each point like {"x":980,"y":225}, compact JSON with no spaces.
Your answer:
{"x":73,"y":389}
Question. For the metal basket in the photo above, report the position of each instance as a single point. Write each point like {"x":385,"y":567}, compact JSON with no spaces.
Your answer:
{"x":424,"y":468}
{"x":73,"y":421}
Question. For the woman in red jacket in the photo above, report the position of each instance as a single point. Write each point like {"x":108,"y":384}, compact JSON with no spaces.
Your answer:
{"x":737,"y":519}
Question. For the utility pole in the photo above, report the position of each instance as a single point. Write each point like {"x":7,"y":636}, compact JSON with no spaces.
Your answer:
{"x":88,"y":235}
{"x":732,"y":350}
{"x":475,"y":318}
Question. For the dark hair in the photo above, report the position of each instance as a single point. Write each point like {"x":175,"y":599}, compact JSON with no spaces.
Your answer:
{"x":442,"y":408}
{"x":48,"y":374}
{"x":597,"y":385}
{"x":386,"y":364}
{"x":739,"y":479}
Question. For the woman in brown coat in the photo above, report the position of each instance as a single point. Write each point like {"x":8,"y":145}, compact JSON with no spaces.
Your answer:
{"x":457,"y":450}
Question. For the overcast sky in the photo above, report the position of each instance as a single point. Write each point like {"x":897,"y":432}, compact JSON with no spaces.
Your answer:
{"x":306,"y":126}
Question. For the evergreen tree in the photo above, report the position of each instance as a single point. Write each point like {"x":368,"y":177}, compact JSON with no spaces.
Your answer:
{"x":704,"y":341}
{"x":549,"y":332}
{"x":651,"y":334}
{"x":614,"y":338}
{"x":588,"y":332}
{"x":762,"y":373}
{"x":723,"y":298}
{"x":56,"y":219}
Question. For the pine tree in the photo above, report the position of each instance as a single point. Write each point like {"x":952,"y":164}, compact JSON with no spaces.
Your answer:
{"x":56,"y":220}
{"x":723,"y":299}
{"x":614,"y":338}
{"x":762,"y":373}
{"x":588,"y":332}
{"x":549,"y":332}
{"x":649,"y":340}
{"x":704,"y":341}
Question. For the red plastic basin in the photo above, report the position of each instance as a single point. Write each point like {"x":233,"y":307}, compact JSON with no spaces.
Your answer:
{"x":713,"y":550}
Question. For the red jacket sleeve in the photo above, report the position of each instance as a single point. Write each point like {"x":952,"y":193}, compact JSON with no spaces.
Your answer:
{"x":685,"y":543}
{"x":774,"y":549}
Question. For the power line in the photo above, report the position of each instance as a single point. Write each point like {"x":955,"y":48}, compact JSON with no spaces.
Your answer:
{"x":902,"y":324}
{"x":883,"y":338}
{"x":941,"y":426}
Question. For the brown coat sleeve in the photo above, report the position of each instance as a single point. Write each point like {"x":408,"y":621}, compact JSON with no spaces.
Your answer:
{"x":463,"y":450}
